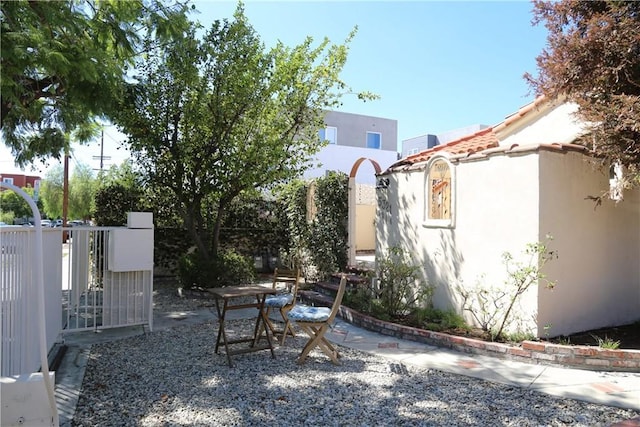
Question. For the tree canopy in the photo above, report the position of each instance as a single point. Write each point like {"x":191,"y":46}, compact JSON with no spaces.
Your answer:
{"x":64,"y":63}
{"x":82,"y":187}
{"x":211,"y":118}
{"x":593,"y":58}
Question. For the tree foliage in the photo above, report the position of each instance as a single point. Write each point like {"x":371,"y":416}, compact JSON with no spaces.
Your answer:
{"x":51,"y":192}
{"x":64,"y":62}
{"x":329,"y":229}
{"x":12,"y":203}
{"x":112,"y":202}
{"x":593,"y":58}
{"x":212,"y":118}
{"x":316,"y":214}
{"x":82,"y":188}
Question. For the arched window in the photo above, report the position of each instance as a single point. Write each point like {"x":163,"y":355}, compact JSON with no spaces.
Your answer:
{"x":439,"y":197}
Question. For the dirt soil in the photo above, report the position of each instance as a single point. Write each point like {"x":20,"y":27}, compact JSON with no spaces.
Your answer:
{"x":628,"y":335}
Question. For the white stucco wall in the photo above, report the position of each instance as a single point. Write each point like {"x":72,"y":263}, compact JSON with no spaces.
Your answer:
{"x":557,"y":124}
{"x":341,"y":158}
{"x":502,"y":204}
{"x":598,"y":265}
{"x":495,"y":212}
{"x":365,"y":228}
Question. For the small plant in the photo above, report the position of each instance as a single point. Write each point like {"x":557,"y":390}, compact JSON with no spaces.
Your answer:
{"x":517,"y":337}
{"x":395,"y":292}
{"x":606,"y":342}
{"x":400,"y":285}
{"x":436,"y":320}
{"x":492,"y":307}
{"x":564,"y":341}
{"x":547,"y":330}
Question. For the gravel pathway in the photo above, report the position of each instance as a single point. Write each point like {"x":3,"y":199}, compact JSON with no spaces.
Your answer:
{"x":174,"y":378}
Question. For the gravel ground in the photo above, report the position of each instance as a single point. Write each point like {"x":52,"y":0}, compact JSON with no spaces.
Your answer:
{"x":174,"y":378}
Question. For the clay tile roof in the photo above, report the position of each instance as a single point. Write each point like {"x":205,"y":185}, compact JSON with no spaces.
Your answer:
{"x":469,"y":144}
{"x":513,"y":118}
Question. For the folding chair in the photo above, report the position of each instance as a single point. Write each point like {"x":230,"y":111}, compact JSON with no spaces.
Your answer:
{"x":315,"y":321}
{"x":284,"y":302}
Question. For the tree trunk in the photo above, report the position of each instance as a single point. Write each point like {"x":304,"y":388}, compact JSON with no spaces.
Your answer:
{"x":193,"y":221}
{"x":216,"y":229}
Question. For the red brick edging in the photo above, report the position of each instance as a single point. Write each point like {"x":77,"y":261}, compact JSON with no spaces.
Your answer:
{"x":574,"y":356}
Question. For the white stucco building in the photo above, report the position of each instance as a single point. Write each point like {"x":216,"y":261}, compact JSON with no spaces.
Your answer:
{"x":354,"y":136}
{"x":458,"y":207}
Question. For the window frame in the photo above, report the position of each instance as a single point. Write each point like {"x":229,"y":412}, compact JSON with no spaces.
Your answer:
{"x":335,"y":133}
{"x":439,"y":222}
{"x":379,"y":140}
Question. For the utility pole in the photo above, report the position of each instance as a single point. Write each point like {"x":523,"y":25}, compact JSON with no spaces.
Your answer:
{"x":102,"y":157}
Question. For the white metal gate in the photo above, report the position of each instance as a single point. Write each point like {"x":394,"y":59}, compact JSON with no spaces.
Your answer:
{"x":76,"y":273}
{"x":96,"y":297}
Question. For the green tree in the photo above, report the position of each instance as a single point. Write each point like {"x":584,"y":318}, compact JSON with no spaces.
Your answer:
{"x":82,"y":187}
{"x":51,"y":192}
{"x":123,"y":174}
{"x":593,"y":58}
{"x":215,"y":117}
{"x":64,"y":62}
{"x":12,"y":202}
{"x":112,"y":202}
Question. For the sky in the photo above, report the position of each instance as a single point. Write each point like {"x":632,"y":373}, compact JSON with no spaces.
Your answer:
{"x":436,"y":65}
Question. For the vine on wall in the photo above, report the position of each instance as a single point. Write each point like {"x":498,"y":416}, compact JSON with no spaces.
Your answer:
{"x":318,"y":244}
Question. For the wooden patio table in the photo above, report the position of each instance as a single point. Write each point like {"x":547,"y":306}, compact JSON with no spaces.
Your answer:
{"x":226,"y":296}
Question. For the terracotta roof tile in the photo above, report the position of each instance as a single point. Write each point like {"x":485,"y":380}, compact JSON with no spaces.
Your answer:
{"x":485,"y":142}
{"x":475,"y":142}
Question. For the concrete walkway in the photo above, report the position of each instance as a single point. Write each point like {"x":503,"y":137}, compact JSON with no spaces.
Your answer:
{"x":607,"y":388}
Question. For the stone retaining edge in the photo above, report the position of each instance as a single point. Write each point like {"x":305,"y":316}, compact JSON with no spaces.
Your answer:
{"x":537,"y":352}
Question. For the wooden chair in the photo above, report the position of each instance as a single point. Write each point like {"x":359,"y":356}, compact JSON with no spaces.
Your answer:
{"x":315,"y":321}
{"x":284,"y":302}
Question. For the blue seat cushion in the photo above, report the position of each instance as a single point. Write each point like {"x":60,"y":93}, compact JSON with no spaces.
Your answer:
{"x":304,"y":313}
{"x":279,"y":300}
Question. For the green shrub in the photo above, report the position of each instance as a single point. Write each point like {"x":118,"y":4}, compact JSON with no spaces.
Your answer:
{"x":228,"y":269}
{"x":437,"y":320}
{"x":7,"y":217}
{"x":401,"y":285}
{"x":397,"y":293}
{"x":317,"y":232}
{"x":112,"y":203}
{"x":233,"y":268}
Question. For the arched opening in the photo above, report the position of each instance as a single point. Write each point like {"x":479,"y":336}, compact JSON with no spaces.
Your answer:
{"x":360,"y":228}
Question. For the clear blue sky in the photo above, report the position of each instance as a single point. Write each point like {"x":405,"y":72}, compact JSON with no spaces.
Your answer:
{"x":437,"y":66}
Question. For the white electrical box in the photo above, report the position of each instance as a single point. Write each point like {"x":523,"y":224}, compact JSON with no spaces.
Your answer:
{"x":130,"y":250}
{"x":139,"y":220}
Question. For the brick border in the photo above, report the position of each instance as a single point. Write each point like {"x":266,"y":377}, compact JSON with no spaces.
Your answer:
{"x":573,"y":356}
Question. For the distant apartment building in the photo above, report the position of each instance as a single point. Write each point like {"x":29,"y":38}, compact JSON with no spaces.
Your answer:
{"x":353,"y":136}
{"x":424,"y":142}
{"x":20,"y":181}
